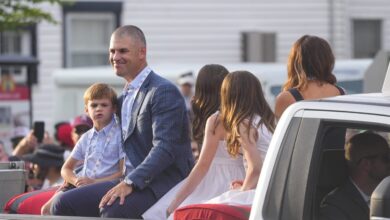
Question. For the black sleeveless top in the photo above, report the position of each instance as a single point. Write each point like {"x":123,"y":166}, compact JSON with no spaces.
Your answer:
{"x":298,"y":97}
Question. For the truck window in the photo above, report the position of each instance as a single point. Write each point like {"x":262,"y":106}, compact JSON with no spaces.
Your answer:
{"x":287,"y":187}
{"x":332,"y":171}
{"x":309,"y":165}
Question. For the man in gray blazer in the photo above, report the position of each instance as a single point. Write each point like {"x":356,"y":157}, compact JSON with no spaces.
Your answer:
{"x":367,"y":155}
{"x":155,"y":131}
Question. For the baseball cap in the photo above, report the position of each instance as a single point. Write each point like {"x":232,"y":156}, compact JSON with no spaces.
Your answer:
{"x":63,"y":134}
{"x":186,"y":78}
{"x":82,"y":120}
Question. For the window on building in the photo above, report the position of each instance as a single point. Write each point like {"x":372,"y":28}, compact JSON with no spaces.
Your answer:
{"x":87,"y":36}
{"x":366,"y":38}
{"x":16,"y":43}
{"x":258,"y":47}
{"x":87,"y":30}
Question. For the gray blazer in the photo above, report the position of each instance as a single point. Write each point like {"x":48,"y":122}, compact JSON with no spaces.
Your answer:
{"x":344,"y":203}
{"x":158,"y":143}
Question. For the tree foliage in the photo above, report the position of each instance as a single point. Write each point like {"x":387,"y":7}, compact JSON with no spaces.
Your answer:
{"x":19,"y":13}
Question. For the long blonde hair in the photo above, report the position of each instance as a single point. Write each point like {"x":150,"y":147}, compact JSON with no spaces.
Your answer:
{"x":242,"y":98}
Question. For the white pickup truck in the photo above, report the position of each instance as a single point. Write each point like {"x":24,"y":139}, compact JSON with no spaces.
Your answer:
{"x":305,"y":159}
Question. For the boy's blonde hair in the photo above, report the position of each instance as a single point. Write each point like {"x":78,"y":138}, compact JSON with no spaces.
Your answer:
{"x":100,"y":91}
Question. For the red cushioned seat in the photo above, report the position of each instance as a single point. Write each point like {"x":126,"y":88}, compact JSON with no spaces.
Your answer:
{"x":30,"y":202}
{"x":212,"y":211}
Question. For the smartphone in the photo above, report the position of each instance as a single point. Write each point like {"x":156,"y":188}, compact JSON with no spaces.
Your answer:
{"x":39,"y":130}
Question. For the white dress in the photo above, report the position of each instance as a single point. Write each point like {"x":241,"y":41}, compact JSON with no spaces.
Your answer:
{"x":238,"y":197}
{"x":223,"y":170}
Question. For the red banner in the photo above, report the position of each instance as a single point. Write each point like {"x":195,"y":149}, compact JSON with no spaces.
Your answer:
{"x":16,"y":93}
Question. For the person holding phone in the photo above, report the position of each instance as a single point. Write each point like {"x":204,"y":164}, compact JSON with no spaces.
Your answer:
{"x":39,"y":130}
{"x":32,"y":140}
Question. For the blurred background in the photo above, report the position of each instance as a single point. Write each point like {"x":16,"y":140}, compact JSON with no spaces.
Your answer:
{"x":46,"y":65}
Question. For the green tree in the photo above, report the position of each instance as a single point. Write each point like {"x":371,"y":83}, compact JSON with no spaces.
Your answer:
{"x":19,"y":13}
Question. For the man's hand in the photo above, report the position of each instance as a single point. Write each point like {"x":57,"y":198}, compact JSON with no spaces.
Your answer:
{"x":82,"y":181}
{"x":121,"y":190}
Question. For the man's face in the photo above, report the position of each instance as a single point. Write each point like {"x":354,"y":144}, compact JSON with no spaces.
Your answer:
{"x":100,"y":111}
{"x":126,"y":56}
{"x":380,"y":166}
{"x":186,"y":89}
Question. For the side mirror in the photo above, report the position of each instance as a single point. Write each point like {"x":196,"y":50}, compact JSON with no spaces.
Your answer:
{"x":380,"y":200}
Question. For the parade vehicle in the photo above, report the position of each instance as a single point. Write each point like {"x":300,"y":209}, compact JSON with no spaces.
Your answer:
{"x":305,"y":159}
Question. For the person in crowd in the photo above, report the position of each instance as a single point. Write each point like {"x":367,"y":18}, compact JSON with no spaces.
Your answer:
{"x":249,"y":123}
{"x":63,"y":135}
{"x":155,"y":133}
{"x":309,"y":71}
{"x":29,"y":144}
{"x":367,"y":155}
{"x":46,"y":162}
{"x":186,"y":84}
{"x":215,"y":167}
{"x":80,"y":125}
{"x":100,"y":148}
{"x":19,"y":133}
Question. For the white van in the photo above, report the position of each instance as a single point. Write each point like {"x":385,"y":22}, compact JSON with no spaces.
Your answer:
{"x":71,"y":83}
{"x":349,"y":74}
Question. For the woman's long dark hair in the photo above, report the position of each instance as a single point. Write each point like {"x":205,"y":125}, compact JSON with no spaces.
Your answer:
{"x":311,"y":57}
{"x":206,"y":100}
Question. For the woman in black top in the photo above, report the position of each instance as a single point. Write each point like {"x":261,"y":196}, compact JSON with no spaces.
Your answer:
{"x":309,"y":69}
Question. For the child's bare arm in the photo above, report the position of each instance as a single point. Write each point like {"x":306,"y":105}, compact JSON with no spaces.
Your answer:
{"x":67,"y":170}
{"x":251,"y":154}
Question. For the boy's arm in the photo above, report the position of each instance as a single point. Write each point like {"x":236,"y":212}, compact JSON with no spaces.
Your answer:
{"x":67,"y":170}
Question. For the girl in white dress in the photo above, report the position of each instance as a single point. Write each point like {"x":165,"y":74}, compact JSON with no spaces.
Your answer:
{"x":215,"y":169}
{"x":249,"y":123}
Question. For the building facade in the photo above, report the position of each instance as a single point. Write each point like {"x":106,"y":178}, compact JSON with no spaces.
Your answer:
{"x":202,"y":31}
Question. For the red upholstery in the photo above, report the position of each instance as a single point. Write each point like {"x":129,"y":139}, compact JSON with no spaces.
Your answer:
{"x":212,"y":212}
{"x":30,"y":202}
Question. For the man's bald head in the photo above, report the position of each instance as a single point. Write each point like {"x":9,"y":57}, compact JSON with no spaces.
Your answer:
{"x":131,"y":31}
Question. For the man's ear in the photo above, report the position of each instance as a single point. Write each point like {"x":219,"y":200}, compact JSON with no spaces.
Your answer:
{"x":142,"y":53}
{"x":86,"y":109}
